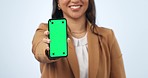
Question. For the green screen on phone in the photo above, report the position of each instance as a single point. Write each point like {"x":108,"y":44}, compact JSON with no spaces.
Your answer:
{"x":58,"y":38}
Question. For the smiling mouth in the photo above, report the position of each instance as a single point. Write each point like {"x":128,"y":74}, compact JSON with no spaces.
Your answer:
{"x":75,"y":6}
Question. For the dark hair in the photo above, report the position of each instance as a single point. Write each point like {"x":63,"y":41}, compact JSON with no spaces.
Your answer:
{"x":56,"y":13}
{"x":90,"y":13}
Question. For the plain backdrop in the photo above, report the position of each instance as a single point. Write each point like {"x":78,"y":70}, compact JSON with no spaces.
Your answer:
{"x":20,"y":18}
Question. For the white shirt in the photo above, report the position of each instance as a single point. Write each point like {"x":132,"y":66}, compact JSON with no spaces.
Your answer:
{"x":81,"y":48}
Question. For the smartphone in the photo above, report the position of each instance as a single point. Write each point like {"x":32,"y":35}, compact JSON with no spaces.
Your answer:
{"x":58,"y":38}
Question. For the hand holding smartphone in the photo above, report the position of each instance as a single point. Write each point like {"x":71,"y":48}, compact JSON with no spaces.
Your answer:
{"x":58,"y":38}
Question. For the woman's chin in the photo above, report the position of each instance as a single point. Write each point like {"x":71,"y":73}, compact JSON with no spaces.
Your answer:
{"x":76,"y":16}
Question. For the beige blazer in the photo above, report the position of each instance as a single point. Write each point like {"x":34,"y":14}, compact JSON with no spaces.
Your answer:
{"x":105,"y":58}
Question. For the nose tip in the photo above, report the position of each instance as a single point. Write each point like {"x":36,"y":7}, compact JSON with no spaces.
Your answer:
{"x":75,"y":1}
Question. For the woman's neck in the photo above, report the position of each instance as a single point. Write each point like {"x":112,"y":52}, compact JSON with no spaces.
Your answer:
{"x":77,"y":25}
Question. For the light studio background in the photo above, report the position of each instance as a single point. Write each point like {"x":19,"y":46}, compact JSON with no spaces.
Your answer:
{"x":20,"y":18}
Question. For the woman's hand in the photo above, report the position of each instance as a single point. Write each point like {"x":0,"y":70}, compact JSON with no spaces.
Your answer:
{"x":46,"y":40}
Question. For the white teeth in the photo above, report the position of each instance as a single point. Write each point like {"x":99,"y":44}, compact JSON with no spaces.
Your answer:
{"x":74,"y":7}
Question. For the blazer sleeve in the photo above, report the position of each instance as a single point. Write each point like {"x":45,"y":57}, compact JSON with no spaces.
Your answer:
{"x":117,"y":66}
{"x":39,"y":47}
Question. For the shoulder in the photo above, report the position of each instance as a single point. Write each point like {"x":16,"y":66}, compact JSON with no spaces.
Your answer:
{"x":105,"y":32}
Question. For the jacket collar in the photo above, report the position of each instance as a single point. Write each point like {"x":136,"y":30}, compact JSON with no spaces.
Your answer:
{"x":93,"y":54}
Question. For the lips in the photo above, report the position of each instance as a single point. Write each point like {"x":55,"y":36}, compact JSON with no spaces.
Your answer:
{"x":75,"y":7}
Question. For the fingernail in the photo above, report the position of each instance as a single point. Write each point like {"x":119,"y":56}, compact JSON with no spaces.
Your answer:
{"x":48,"y":41}
{"x":68,"y":38}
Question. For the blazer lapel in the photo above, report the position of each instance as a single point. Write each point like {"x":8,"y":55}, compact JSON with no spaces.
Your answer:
{"x":93,"y":53}
{"x":72,"y":59}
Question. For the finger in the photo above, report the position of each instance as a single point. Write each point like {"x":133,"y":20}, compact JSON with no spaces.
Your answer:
{"x":46,"y":40}
{"x":68,"y":39}
{"x":47,"y":48}
{"x":46,"y":32}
